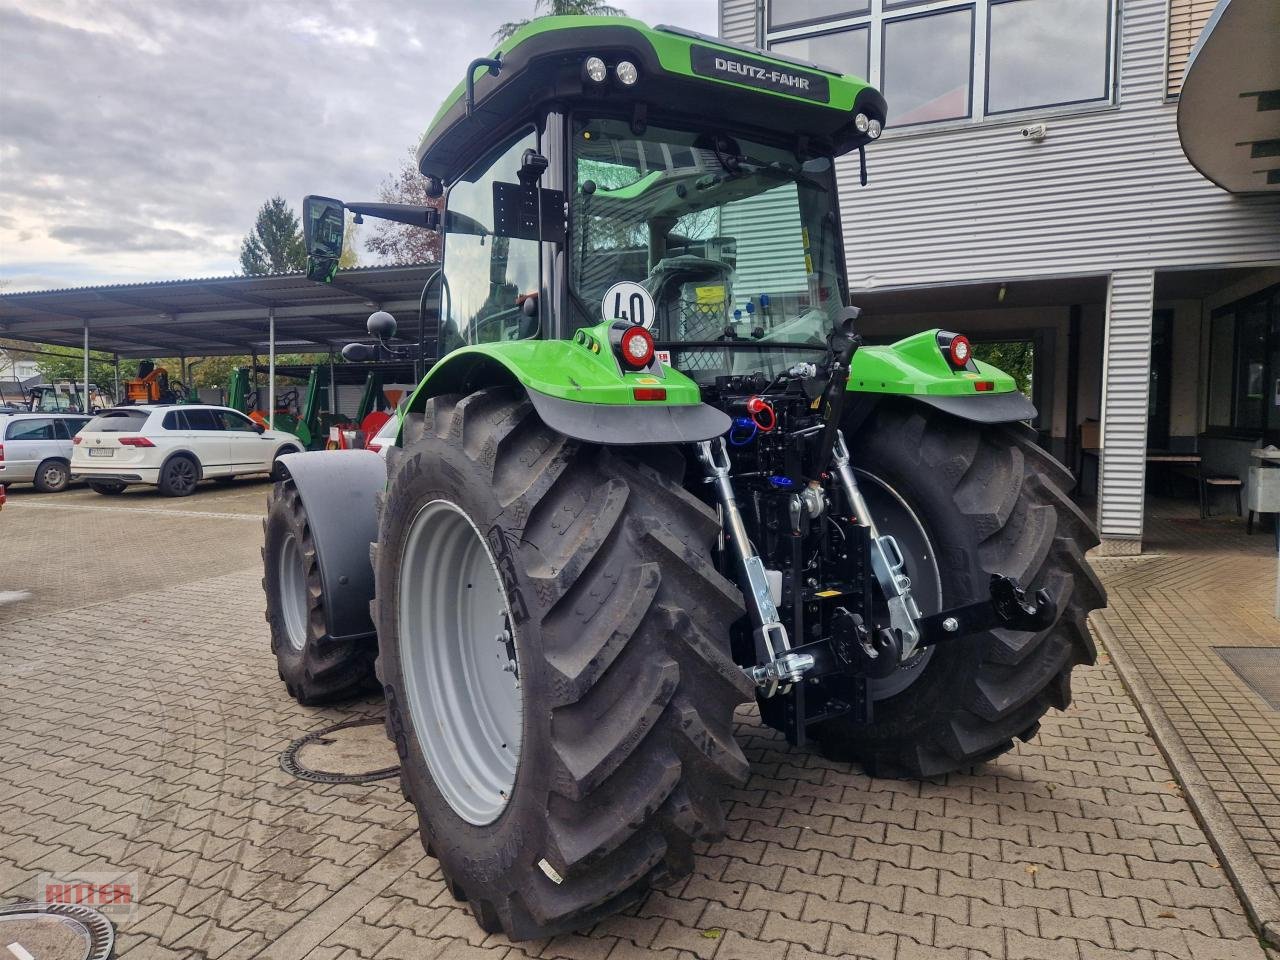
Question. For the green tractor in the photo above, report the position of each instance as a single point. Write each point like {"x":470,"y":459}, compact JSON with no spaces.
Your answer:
{"x":652,"y":474}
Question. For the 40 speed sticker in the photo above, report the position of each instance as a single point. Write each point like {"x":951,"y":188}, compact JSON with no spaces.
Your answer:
{"x":630,"y":302}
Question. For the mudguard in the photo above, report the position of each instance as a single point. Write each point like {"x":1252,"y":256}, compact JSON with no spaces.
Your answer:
{"x":338,"y":488}
{"x":915,"y":368}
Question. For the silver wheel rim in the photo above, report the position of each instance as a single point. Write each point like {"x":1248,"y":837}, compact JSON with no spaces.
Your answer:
{"x":53,"y":476}
{"x":894,"y":516}
{"x":292,"y":580}
{"x":461,"y":679}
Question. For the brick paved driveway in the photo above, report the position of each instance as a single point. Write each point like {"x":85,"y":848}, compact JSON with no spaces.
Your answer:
{"x":141,"y":732}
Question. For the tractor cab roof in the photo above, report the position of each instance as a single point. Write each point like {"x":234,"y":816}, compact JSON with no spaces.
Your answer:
{"x":680,"y":75}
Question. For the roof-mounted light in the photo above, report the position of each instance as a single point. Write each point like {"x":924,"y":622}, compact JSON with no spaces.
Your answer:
{"x":594,"y":69}
{"x":626,"y":73}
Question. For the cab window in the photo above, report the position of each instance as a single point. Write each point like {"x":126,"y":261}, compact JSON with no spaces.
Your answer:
{"x":487,"y":276}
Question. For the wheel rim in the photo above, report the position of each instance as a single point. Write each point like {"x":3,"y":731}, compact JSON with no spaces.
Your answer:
{"x":182,"y":475}
{"x":462,"y":685}
{"x":894,"y":516}
{"x":292,"y":580}
{"x":53,"y":476}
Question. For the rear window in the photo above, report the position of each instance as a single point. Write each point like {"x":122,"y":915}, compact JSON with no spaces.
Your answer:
{"x":68,"y":427}
{"x":33,"y":429}
{"x":117,"y":421}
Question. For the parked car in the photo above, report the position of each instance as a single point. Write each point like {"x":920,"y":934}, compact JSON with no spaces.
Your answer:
{"x":174,"y":447}
{"x":36,"y":448}
{"x":385,"y":438}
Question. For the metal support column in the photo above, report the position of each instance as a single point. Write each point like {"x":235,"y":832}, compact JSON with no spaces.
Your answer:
{"x":333,"y":388}
{"x":271,"y":367}
{"x":87,"y":405}
{"x":116,"y":358}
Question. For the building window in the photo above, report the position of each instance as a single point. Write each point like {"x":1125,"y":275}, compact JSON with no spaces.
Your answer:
{"x":1244,"y":368}
{"x":928,"y":66}
{"x":945,"y":60}
{"x":792,"y":13}
{"x":845,"y":50}
{"x":1043,"y":53}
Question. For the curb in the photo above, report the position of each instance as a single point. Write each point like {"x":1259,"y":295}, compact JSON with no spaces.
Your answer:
{"x":1261,"y":903}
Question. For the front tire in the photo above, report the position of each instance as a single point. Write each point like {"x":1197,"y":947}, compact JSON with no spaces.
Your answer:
{"x":991,"y":501}
{"x":624,"y":687}
{"x":314,"y":666}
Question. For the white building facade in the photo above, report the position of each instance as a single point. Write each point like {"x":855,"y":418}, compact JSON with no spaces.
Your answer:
{"x":1031,"y":189}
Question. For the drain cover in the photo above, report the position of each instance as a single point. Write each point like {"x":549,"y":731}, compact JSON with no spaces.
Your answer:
{"x":1258,"y":667}
{"x":357,"y":751}
{"x":55,"y":931}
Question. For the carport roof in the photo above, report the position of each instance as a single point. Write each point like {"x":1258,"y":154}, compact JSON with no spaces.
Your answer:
{"x":216,"y":316}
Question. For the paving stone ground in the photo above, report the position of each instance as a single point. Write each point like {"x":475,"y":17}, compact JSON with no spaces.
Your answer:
{"x":140,"y":731}
{"x":1199,"y":585}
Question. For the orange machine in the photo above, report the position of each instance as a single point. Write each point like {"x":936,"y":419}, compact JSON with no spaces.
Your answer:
{"x":150,"y":386}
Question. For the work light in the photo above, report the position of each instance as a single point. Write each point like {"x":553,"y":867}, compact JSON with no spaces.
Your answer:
{"x":595,"y":69}
{"x":626,"y":73}
{"x":861,"y":122}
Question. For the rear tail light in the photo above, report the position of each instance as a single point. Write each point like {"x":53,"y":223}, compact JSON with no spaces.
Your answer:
{"x":76,"y":441}
{"x":650,"y":393}
{"x":984,"y":386}
{"x":636,"y":347}
{"x":1,"y":453}
{"x":135,"y":442}
{"x":956,"y":349}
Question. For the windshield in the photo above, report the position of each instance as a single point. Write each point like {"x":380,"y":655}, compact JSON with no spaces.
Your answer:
{"x":735,"y":241}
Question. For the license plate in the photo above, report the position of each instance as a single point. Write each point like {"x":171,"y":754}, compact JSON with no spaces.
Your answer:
{"x":99,"y":452}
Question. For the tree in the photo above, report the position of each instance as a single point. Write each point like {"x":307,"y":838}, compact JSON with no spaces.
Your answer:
{"x":560,"y":8}
{"x":275,"y":243}
{"x":399,"y":242}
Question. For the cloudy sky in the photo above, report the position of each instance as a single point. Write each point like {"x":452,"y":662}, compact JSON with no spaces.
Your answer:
{"x":139,"y":137}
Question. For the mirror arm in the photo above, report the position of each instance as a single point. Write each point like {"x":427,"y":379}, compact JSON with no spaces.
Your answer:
{"x":407,"y":213}
{"x":492,"y":64}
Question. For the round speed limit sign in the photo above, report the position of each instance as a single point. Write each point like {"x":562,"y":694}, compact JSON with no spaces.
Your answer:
{"x":630,"y":302}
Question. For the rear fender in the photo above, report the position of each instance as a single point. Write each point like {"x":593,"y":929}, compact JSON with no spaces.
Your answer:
{"x":338,"y":490}
{"x":915,"y":369}
{"x":579,"y":390}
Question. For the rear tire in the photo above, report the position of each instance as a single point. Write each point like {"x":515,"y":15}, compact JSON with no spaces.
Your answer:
{"x":626,"y":686}
{"x":315,"y":668}
{"x":992,"y":501}
{"x":178,"y":477}
{"x":108,"y":488}
{"x":52,"y":476}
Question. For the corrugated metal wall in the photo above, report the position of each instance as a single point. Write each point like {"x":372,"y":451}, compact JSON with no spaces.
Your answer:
{"x":1125,"y":381}
{"x":738,"y":20}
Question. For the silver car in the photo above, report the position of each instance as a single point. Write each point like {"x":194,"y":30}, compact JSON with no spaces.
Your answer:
{"x":36,"y":448}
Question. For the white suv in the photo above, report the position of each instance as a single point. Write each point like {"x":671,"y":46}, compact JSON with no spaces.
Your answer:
{"x":173,"y":447}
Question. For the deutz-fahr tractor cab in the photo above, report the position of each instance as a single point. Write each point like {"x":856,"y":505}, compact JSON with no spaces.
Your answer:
{"x":651,"y":472}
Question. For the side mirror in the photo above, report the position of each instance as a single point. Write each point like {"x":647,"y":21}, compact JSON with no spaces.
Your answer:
{"x":358,"y":353}
{"x":323,"y":225}
{"x":381,"y":325}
